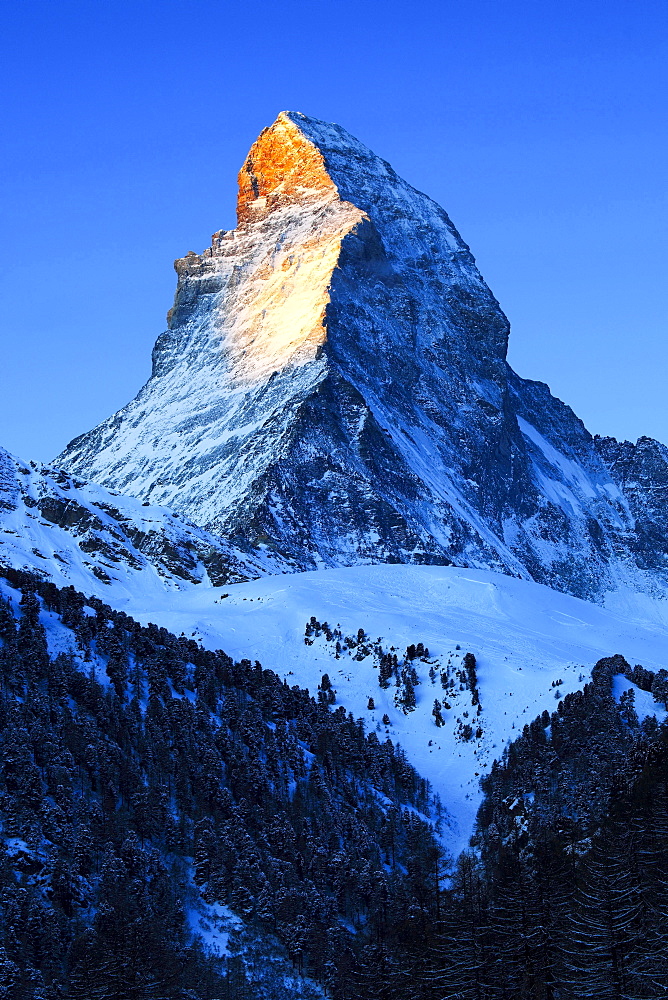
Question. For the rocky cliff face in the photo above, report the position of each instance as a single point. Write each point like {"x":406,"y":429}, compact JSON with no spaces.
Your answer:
{"x":333,"y":389}
{"x":640,"y":471}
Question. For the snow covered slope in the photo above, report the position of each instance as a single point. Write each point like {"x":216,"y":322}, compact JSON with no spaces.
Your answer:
{"x":525,"y":637}
{"x":333,"y":384}
{"x":79,"y":534}
{"x":532,"y":647}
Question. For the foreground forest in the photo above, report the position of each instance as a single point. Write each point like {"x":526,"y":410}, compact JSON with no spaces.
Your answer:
{"x":145,"y":778}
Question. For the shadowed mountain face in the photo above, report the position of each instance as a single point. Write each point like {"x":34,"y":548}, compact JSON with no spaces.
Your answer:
{"x":333,"y":387}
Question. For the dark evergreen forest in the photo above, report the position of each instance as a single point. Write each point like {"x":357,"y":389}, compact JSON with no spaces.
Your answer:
{"x":187,"y":764}
{"x":139,"y":768}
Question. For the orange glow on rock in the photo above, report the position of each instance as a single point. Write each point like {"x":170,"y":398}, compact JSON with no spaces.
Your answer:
{"x":275,"y":268}
{"x":282,"y":167}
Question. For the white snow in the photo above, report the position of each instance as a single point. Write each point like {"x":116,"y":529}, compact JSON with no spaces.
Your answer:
{"x":213,"y":923}
{"x":643,"y":701}
{"x":566,"y":466}
{"x":524,"y":637}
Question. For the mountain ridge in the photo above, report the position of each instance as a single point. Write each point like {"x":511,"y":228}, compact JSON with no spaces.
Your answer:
{"x":73,"y":532}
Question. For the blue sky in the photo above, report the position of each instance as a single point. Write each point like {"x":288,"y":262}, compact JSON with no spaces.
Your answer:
{"x":539,"y":126}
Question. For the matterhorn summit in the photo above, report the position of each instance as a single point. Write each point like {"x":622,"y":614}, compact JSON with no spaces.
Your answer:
{"x":333,"y":390}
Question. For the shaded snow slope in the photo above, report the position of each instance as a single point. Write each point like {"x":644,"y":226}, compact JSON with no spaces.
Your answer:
{"x":76,"y":533}
{"x":333,"y":385}
{"x":532,"y":647}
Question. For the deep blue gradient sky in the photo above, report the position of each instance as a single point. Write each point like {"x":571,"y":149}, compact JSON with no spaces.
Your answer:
{"x":540,"y":127}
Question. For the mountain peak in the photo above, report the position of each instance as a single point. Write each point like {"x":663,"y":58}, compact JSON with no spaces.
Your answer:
{"x":283,"y":166}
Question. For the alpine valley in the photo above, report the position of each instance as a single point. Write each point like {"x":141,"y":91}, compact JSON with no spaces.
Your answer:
{"x":334,"y":664}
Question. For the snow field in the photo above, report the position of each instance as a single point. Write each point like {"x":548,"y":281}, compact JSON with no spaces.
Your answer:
{"x":532,"y":646}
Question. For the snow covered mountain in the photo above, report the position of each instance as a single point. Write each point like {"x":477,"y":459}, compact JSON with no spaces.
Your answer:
{"x":333,"y":390}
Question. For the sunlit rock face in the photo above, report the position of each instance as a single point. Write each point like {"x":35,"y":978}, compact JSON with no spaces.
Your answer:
{"x":333,"y":387}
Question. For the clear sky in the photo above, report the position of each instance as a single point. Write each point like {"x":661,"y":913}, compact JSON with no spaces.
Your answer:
{"x":540,"y":125}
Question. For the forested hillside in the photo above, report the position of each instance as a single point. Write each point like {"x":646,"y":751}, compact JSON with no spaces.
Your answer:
{"x":573,"y":835}
{"x":146,"y":782}
{"x":564,"y":895}
{"x":140,"y":772}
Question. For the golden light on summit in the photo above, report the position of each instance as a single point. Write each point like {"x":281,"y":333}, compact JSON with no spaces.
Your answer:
{"x":282,"y":166}
{"x":277,"y":264}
